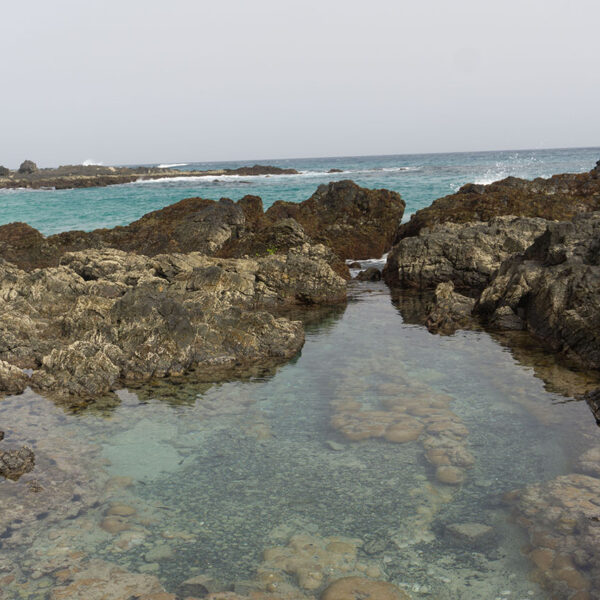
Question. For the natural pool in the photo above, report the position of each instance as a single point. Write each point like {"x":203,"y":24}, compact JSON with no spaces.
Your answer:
{"x":281,"y":482}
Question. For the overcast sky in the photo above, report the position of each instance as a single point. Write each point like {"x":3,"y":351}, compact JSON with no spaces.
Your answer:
{"x":134,"y":81}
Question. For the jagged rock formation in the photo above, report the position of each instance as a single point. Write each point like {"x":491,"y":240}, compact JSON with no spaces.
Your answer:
{"x":28,"y":167}
{"x":355,"y":222}
{"x":465,"y":254}
{"x":554,"y":289}
{"x":348,"y":219}
{"x":560,"y":197}
{"x":104,"y":317}
{"x":449,"y":310}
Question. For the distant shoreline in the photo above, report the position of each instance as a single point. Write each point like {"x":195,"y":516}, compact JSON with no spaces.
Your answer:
{"x":86,"y":176}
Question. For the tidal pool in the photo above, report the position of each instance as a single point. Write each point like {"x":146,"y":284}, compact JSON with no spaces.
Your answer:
{"x":381,"y":451}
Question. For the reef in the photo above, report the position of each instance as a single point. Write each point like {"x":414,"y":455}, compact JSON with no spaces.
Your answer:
{"x":105,"y":317}
{"x":347,"y":219}
{"x":85,"y":176}
{"x":558,"y":198}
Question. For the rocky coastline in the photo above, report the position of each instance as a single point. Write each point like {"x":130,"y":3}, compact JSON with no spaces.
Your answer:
{"x":29,"y":176}
{"x":207,"y":290}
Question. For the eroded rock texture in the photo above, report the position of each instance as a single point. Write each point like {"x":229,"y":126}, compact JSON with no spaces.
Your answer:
{"x":560,"y":197}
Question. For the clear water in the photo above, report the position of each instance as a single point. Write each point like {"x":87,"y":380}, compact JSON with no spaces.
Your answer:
{"x":219,"y":474}
{"x":420,"y":178}
{"x":231,"y":481}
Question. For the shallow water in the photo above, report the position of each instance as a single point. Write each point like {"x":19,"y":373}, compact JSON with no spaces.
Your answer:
{"x":219,"y":474}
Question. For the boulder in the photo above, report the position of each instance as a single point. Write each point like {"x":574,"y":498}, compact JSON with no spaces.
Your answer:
{"x":553,"y":288}
{"x":353,"y":588}
{"x":4,"y":172}
{"x":27,"y":167}
{"x":560,"y":197}
{"x":14,"y":463}
{"x":370,"y":274}
{"x":449,"y":311}
{"x":355,"y":222}
{"x":26,"y":247}
{"x":279,"y":238}
{"x":465,"y":254}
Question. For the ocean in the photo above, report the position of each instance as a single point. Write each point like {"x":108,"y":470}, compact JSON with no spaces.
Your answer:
{"x":420,"y":178}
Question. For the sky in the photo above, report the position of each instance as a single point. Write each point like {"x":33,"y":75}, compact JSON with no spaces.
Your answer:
{"x":133,"y":81}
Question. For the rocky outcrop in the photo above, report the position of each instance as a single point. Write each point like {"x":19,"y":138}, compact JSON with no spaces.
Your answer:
{"x":553,"y":288}
{"x":355,"y":222}
{"x":28,"y":167}
{"x":14,"y":463}
{"x":4,"y":172}
{"x":83,"y":176}
{"x":105,"y":317}
{"x":465,"y":254}
{"x":560,"y":197}
{"x":345,"y":218}
{"x":277,"y":238}
{"x":450,"y":311}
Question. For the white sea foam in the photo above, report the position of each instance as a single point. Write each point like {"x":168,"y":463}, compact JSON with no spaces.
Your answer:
{"x":170,"y":165}
{"x":90,"y":162}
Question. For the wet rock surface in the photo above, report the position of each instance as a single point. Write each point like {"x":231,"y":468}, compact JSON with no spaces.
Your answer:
{"x":105,"y":317}
{"x":14,"y":463}
{"x":560,"y":198}
{"x":465,"y":254}
{"x":554,"y":289}
{"x":450,"y":311}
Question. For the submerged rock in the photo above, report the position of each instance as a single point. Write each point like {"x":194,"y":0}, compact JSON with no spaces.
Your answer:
{"x":554,"y":289}
{"x":560,"y":197}
{"x":561,"y":517}
{"x":370,"y":274}
{"x":14,"y":463}
{"x":351,"y":588}
{"x":465,"y":254}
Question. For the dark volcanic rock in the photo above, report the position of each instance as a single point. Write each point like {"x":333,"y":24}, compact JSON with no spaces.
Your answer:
{"x":279,"y":238}
{"x":261,"y":170}
{"x":593,"y":401}
{"x":558,"y":198}
{"x":355,"y":222}
{"x":554,"y":288}
{"x":104,"y":317}
{"x":465,"y":254}
{"x":370,"y":274}
{"x":28,"y":167}
{"x":335,"y":171}
{"x":14,"y":463}
{"x":4,"y":172}
{"x":26,"y":247}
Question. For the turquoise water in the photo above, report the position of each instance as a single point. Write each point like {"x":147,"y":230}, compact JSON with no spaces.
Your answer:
{"x":420,"y":178}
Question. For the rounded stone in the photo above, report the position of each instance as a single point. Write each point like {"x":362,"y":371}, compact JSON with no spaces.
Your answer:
{"x":360,"y":588}
{"x":450,"y":475}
